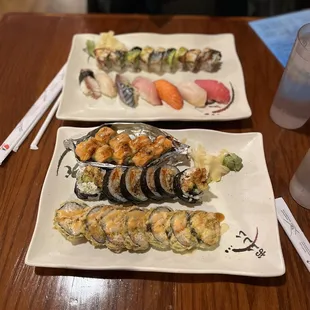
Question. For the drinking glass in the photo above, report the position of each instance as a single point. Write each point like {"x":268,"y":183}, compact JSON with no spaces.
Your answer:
{"x":300,"y":183}
{"x":291,"y":105}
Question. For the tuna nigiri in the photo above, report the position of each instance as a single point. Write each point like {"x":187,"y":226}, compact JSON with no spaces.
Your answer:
{"x":106,"y":84}
{"x":193,"y":94}
{"x":147,"y":90}
{"x":169,"y":93}
{"x":216,"y":91}
{"x":88,"y":84}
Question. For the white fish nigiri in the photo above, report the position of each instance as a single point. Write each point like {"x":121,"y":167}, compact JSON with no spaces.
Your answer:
{"x":147,"y":90}
{"x":107,"y":86}
{"x":193,"y":94}
{"x":88,"y":84}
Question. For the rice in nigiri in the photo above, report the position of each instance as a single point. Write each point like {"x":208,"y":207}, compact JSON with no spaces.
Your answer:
{"x":147,"y":90}
{"x":106,"y":84}
{"x":169,"y":93}
{"x":88,"y":84}
{"x":193,"y":94}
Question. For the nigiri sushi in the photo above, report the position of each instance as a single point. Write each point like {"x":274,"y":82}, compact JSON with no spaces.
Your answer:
{"x":147,"y":90}
{"x":132,"y":59}
{"x":106,"y":84}
{"x":127,"y":93}
{"x":193,"y":94}
{"x":169,"y":93}
{"x":156,"y":60}
{"x":168,"y":60}
{"x":192,"y":59}
{"x":145,"y":58}
{"x":216,"y":91}
{"x":88,"y":84}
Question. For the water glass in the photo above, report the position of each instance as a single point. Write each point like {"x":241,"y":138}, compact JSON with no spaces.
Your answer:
{"x":291,"y":106}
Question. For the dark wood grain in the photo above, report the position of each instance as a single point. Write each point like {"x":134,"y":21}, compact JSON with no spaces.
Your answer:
{"x":32,"y":50}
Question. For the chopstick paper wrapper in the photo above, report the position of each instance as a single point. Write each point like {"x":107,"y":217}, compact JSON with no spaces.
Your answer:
{"x":24,"y":127}
{"x":293,"y":231}
{"x":34,"y":143}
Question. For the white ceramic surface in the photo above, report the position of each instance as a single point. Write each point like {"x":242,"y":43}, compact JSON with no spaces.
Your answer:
{"x":76,"y":106}
{"x":245,"y":198}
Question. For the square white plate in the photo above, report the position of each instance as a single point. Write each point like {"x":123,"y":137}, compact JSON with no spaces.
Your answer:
{"x":76,"y":106}
{"x":250,"y":247}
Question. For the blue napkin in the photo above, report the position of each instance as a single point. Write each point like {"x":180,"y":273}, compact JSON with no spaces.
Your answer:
{"x":279,"y":32}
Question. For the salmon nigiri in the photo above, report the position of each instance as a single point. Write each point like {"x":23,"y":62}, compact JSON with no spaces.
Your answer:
{"x":169,"y":93}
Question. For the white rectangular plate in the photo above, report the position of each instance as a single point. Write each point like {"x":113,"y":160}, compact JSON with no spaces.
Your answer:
{"x":250,"y":247}
{"x":76,"y":106}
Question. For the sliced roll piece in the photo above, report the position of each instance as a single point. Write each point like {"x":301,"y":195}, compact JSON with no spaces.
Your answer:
{"x":69,"y":220}
{"x":182,"y":239}
{"x":206,"y":227}
{"x":148,"y":184}
{"x":164,"y":177}
{"x":135,"y":233}
{"x":158,"y":227}
{"x":131,"y":185}
{"x":190,"y":184}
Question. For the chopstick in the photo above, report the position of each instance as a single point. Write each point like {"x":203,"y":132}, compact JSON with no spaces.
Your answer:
{"x":24,"y":127}
{"x":36,"y":140}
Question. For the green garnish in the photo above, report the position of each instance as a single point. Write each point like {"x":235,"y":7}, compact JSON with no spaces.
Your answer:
{"x":90,"y":48}
{"x":233,"y":162}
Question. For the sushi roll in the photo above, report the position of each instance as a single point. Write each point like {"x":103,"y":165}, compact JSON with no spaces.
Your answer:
{"x":127,"y":93}
{"x":105,"y":134}
{"x":88,"y":84}
{"x":85,"y":149}
{"x":179,"y":59}
{"x":181,"y":239}
{"x":111,"y":185}
{"x":145,"y":56}
{"x":113,"y":224}
{"x":168,"y":60}
{"x":161,"y":145}
{"x":93,"y":232}
{"x":155,"y":60}
{"x":135,"y":233}
{"x":89,"y":183}
{"x":148,"y":184}
{"x":143,"y":156}
{"x":69,"y":220}
{"x":192,"y":59}
{"x":103,"y":154}
{"x":103,"y":58}
{"x":164,"y":177}
{"x":132,"y":59}
{"x":131,"y":185}
{"x":117,"y":59}
{"x":190,"y":184}
{"x":139,"y":142}
{"x":158,"y":228}
{"x":205,"y":226}
{"x":122,"y":152}
{"x":209,"y":60}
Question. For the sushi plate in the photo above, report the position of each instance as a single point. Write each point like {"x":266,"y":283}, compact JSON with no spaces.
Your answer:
{"x":76,"y":106}
{"x":250,"y":247}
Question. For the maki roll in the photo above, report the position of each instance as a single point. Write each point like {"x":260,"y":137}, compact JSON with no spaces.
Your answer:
{"x":104,"y":135}
{"x":102,"y":56}
{"x":148,"y":184}
{"x":113,"y":224}
{"x":92,"y":229}
{"x":181,"y":238}
{"x":155,"y":60}
{"x":131,"y":185}
{"x":179,"y":59}
{"x":117,"y":59}
{"x":192,"y":59}
{"x":103,"y":154}
{"x":209,"y":60}
{"x":89,"y":183}
{"x":121,"y":150}
{"x":111,"y":188}
{"x":139,"y":142}
{"x":164,"y":177}
{"x":85,"y":149}
{"x":168,"y":60}
{"x":161,"y":145}
{"x":206,"y":227}
{"x":158,"y":227}
{"x":69,"y":220}
{"x":132,"y":59}
{"x":143,"y":156}
{"x":145,"y":58}
{"x":190,"y":184}
{"x":135,"y":235}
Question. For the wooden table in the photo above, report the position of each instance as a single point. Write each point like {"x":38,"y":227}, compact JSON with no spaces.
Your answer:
{"x":32,"y":50}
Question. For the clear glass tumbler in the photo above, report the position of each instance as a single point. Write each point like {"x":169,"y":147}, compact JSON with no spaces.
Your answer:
{"x":291,"y":105}
{"x":300,"y":183}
